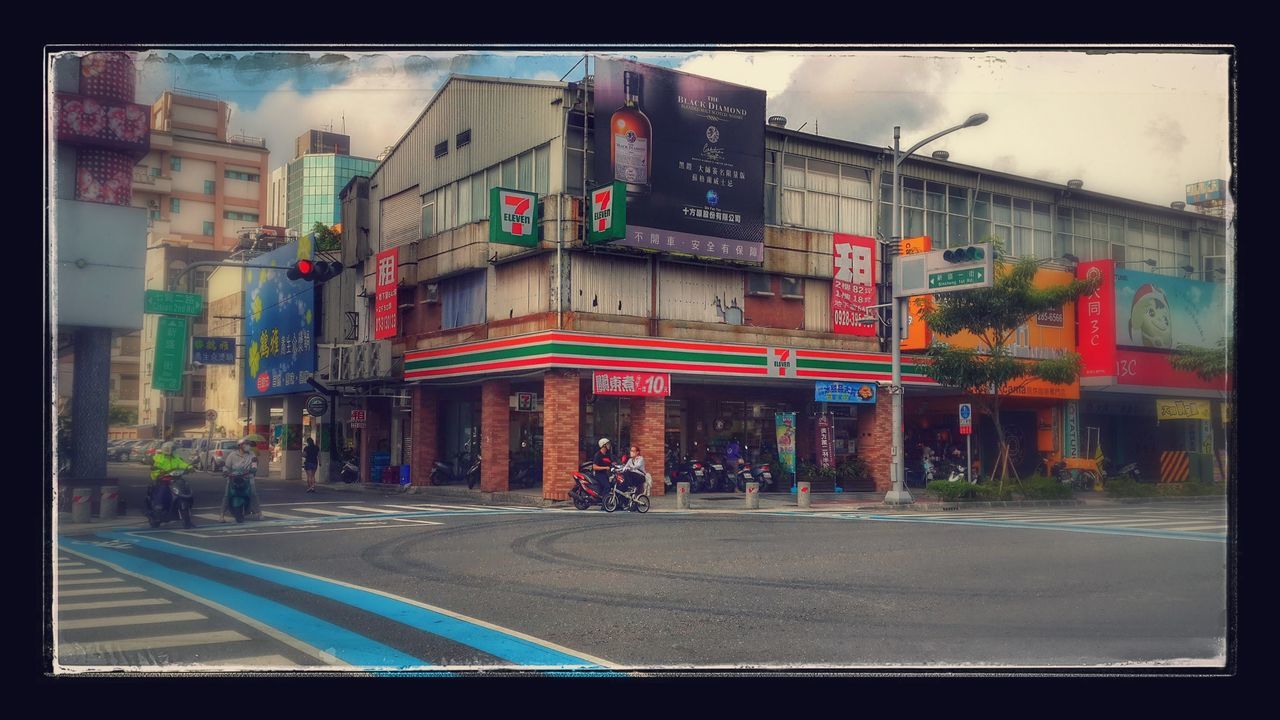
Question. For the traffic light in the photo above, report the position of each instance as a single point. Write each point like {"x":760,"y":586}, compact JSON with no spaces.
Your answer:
{"x":316,"y":271}
{"x":964,"y":254}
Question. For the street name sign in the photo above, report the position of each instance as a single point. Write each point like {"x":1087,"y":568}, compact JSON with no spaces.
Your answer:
{"x":938,"y":271}
{"x":161,"y":302}
{"x":171,"y":353}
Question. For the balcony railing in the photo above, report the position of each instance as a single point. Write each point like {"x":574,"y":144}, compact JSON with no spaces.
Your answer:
{"x":247,"y":140}
{"x":143,"y":175}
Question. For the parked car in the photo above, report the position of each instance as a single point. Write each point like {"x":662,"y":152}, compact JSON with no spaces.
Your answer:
{"x":218,"y":454}
{"x":119,"y":450}
{"x":185,"y":448}
{"x":202,"y":456}
{"x":143,"y":451}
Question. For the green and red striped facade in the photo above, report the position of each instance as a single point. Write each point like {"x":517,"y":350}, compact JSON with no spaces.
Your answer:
{"x":558,"y":349}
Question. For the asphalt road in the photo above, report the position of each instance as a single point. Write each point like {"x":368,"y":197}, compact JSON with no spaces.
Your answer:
{"x":487,"y":587}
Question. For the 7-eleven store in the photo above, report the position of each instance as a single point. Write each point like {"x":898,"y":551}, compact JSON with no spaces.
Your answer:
{"x":535,"y":391}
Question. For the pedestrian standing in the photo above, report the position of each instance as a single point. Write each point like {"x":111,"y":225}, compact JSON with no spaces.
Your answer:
{"x":310,"y":461}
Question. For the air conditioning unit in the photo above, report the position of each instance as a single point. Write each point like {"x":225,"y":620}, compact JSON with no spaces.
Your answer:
{"x":361,"y":362}
{"x":433,"y":293}
{"x":346,"y":363}
{"x":378,"y":359}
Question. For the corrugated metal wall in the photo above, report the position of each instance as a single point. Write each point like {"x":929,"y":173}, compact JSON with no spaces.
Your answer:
{"x":504,"y":118}
{"x":688,"y":292}
{"x":522,"y":288}
{"x":610,"y":284}
{"x":401,"y":218}
{"x":817,"y":305}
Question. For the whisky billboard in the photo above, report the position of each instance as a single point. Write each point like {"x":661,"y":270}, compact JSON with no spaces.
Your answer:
{"x":690,"y":152}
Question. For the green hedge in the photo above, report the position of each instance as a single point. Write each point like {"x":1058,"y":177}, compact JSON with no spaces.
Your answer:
{"x":1121,"y":487}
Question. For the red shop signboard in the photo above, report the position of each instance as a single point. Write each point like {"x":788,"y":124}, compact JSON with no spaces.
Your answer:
{"x":631,"y":383}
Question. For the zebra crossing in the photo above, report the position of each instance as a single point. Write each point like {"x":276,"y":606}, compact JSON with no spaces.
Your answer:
{"x":105,"y":619}
{"x":1207,"y":522}
{"x":339,"y":515}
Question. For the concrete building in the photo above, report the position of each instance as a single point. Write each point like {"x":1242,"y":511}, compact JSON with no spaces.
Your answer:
{"x":497,"y":347}
{"x":203,"y":190}
{"x":314,"y":177}
{"x":97,"y":242}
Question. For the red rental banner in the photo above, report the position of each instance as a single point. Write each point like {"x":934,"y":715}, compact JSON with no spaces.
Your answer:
{"x":631,"y":383}
{"x":384,"y":309}
{"x":1097,"y":315}
{"x":853,"y":284}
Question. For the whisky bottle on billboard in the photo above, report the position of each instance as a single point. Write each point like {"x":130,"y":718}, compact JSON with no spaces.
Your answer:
{"x":631,"y":152}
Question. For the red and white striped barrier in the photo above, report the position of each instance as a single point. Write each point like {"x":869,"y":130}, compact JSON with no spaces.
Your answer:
{"x":109,"y":502}
{"x":80,"y":504}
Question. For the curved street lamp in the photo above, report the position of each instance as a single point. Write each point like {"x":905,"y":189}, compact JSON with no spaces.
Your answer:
{"x":898,"y":495}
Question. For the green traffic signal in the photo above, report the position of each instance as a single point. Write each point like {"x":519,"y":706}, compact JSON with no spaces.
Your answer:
{"x":964,"y":255}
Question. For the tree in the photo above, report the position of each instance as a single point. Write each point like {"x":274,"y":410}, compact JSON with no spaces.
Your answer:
{"x":1208,"y":363}
{"x":326,"y":239}
{"x":993,"y":315}
{"x":118,"y":415}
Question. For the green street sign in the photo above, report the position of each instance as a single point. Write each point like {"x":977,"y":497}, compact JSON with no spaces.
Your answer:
{"x":954,"y":278}
{"x":171,"y":354}
{"x":161,"y":302}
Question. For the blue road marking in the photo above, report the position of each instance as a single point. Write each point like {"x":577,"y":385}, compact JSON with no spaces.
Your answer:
{"x":494,"y":642}
{"x":343,"y":644}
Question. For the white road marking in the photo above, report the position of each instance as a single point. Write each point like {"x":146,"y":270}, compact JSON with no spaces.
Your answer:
{"x":206,"y":516}
{"x":64,"y":563}
{"x":282,"y":516}
{"x":159,"y":641}
{"x":415,"y":508}
{"x":98,"y":591}
{"x":362,"y":508}
{"x":87,"y":571}
{"x":257,"y":662}
{"x":90,"y":581}
{"x":318,"y":511}
{"x":416,"y":521}
{"x":120,"y":620}
{"x":112,"y":604}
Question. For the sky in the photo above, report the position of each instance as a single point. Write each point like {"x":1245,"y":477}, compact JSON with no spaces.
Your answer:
{"x":1136,"y":124}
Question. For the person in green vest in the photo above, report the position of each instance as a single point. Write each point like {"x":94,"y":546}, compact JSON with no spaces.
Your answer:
{"x":165,"y":461}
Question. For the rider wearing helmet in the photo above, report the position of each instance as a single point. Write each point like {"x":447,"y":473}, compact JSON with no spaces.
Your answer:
{"x":242,"y":461}
{"x":164,"y":461}
{"x":601,"y":464}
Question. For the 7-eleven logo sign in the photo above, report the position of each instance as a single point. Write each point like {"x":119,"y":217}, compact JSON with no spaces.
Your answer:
{"x":513,"y":217}
{"x":782,"y":362}
{"x":602,"y":209}
{"x":608,"y":220}
{"x":516,"y":216}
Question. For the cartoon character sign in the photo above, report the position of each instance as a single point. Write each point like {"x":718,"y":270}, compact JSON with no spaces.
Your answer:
{"x":1149,"y":321}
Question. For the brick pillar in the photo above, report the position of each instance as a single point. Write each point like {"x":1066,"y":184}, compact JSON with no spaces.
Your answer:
{"x":495,"y":435}
{"x":648,"y":432}
{"x":425,"y":442}
{"x":561,"y":428}
{"x":875,"y":443}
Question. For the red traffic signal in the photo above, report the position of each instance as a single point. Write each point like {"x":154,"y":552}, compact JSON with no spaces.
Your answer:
{"x":314,"y":270}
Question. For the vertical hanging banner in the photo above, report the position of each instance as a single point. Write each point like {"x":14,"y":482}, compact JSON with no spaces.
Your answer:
{"x":826,"y":451}
{"x":785,"y":424}
{"x":1097,"y":315}
{"x":916,"y":336}
{"x":384,"y":313}
{"x":513,"y":217}
{"x":608,"y":217}
{"x":853,"y":285}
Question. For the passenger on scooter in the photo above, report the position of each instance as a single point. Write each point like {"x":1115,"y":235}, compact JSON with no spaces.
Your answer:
{"x":633,"y":471}
{"x":601,"y":464}
{"x":733,"y":461}
{"x":242,"y":461}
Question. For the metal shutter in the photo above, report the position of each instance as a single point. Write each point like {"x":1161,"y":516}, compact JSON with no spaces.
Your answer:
{"x":401,"y":217}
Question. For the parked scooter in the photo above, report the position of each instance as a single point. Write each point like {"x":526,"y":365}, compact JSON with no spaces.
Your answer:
{"x":170,"y":498}
{"x":1130,"y":471}
{"x":584,"y":493}
{"x":717,"y":476}
{"x":446,"y":473}
{"x":525,"y":469}
{"x":763,"y":474}
{"x":350,"y":471}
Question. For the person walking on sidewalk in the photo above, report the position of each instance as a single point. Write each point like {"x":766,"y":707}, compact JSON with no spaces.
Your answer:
{"x":310,"y":461}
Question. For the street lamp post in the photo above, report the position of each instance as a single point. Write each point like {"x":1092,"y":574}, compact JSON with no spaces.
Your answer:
{"x":899,"y":495}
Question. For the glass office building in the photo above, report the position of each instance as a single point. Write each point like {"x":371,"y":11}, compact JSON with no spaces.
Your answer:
{"x":314,"y":182}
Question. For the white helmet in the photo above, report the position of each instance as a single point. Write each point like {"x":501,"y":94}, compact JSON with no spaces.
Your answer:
{"x":167,"y":448}
{"x":603,"y":442}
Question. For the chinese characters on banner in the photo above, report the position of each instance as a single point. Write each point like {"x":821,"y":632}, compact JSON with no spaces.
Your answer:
{"x":826,"y":453}
{"x":1097,"y":317}
{"x":384,"y":312}
{"x":785,"y":424}
{"x":631,"y":383}
{"x":853,"y":286}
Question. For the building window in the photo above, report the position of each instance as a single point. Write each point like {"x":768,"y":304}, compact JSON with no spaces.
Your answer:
{"x":237,"y":175}
{"x":209,"y":187}
{"x":792,"y":287}
{"x":175,"y":205}
{"x":759,"y":284}
{"x":154,"y":172}
{"x":246,"y":217}
{"x":429,"y":216}
{"x":464,"y":138}
{"x":818,"y":194}
{"x":155,"y":214}
{"x":175,"y":162}
{"x":208,"y":227}
{"x":442,"y":148}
